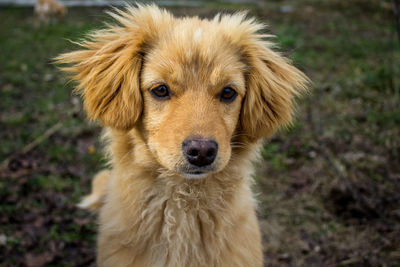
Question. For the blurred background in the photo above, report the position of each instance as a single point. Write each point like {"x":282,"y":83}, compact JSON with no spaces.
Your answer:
{"x":328,"y":187}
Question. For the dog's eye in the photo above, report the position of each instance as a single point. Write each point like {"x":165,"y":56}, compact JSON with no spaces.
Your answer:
{"x":227,"y":95}
{"x":160,"y":92}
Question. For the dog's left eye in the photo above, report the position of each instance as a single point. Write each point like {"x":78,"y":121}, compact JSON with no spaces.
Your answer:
{"x":227,"y":95}
{"x":160,"y":92}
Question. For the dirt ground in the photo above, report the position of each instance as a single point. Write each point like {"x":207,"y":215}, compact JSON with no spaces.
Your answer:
{"x":328,"y":187}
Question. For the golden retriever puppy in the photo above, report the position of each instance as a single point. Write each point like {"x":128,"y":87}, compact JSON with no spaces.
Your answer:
{"x":185,"y":102}
{"x":46,"y":9}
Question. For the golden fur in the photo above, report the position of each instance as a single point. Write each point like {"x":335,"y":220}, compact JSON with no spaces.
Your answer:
{"x":151,"y":212}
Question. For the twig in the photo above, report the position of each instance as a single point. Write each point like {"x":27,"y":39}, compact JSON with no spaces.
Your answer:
{"x":49,"y":132}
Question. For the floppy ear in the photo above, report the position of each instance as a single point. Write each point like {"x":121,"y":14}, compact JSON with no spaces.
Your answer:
{"x":107,"y":69}
{"x":271,"y":81}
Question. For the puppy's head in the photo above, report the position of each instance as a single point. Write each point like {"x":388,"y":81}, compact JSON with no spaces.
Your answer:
{"x":192,"y":86}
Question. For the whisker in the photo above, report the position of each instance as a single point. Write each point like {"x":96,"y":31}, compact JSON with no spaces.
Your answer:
{"x":239,"y":134}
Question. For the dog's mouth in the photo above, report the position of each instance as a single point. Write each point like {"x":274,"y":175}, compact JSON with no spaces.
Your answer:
{"x":191,"y":172}
{"x":195,"y":174}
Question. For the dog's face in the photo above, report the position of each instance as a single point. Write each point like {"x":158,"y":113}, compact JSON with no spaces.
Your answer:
{"x":192,"y":86}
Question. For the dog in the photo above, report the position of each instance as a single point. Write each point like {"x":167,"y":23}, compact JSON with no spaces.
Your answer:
{"x":45,"y":10}
{"x":185,"y":103}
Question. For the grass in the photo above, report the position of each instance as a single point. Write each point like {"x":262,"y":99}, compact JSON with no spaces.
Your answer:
{"x":328,"y":187}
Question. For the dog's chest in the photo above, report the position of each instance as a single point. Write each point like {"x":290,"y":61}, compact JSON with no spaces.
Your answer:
{"x":184,"y":223}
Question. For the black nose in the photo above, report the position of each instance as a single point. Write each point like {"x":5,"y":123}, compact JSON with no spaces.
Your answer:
{"x":200,"y":152}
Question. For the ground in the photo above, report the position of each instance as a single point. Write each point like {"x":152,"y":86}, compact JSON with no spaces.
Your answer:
{"x":328,"y":187}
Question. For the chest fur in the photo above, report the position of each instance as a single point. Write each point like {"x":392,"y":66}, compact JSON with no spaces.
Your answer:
{"x":178,"y":223}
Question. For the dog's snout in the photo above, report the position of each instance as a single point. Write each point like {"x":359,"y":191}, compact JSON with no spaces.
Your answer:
{"x":200,"y":152}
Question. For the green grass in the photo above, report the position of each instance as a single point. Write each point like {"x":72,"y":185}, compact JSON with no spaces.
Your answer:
{"x":327,"y":186}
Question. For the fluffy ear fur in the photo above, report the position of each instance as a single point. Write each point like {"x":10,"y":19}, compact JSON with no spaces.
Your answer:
{"x":107,"y":69}
{"x":272,"y":82}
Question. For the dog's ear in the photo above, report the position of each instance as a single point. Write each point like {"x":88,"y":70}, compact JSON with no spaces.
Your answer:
{"x":107,"y":69}
{"x":271,"y":81}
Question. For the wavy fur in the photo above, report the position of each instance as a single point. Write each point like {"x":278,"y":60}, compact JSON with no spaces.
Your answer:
{"x":150,"y":214}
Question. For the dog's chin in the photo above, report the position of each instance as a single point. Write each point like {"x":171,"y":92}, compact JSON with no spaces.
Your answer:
{"x":192,"y":172}
{"x":189,"y":171}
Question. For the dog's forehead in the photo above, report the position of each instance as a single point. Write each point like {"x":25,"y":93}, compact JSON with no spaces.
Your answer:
{"x":195,"y":50}
{"x":191,"y":38}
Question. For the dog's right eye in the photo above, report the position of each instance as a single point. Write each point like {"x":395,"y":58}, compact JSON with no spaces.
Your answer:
{"x":160,"y":92}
